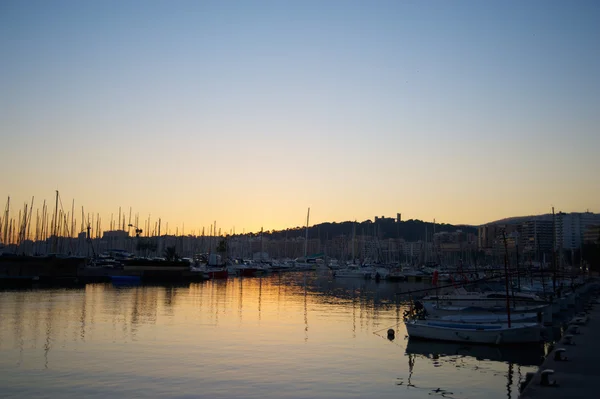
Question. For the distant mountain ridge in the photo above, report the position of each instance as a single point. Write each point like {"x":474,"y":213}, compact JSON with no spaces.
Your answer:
{"x":519,"y":219}
{"x":387,"y":228}
{"x":543,"y":217}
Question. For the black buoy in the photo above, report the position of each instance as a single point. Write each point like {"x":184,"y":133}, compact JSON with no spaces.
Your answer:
{"x":391,"y":334}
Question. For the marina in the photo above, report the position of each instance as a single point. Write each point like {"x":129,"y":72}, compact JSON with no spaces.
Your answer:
{"x":320,"y":335}
{"x":299,"y":199}
{"x":296,"y":335}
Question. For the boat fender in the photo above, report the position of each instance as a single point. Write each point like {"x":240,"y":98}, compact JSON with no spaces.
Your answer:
{"x":499,"y":339}
{"x":391,"y":334}
{"x":573,"y":329}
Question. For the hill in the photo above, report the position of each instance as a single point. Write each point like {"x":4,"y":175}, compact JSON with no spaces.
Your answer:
{"x":410,"y":230}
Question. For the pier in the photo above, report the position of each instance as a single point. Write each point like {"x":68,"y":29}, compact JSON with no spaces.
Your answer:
{"x":571,"y":367}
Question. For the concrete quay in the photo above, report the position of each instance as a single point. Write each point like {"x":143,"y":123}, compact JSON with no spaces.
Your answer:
{"x":571,"y":367}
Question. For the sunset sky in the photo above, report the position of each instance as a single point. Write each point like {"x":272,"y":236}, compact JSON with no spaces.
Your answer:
{"x":249,"y":112}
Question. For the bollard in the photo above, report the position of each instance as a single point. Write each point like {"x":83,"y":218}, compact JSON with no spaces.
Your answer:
{"x":546,"y":381}
{"x":568,"y":340}
{"x":573,"y":329}
{"x":558,"y":355}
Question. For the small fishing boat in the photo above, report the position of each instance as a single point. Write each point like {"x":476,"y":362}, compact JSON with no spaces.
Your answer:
{"x":486,"y":299}
{"x":494,"y":334}
{"x":419,"y":326}
{"x":215,"y":272}
{"x":490,"y":318}
{"x":354,"y":271}
{"x":438,"y":309}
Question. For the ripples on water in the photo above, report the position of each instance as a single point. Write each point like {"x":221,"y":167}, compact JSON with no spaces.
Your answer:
{"x":282,"y":336}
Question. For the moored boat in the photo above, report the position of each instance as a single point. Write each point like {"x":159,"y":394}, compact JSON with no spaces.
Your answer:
{"x":494,"y":334}
{"x":217,"y":272}
{"x":490,"y":318}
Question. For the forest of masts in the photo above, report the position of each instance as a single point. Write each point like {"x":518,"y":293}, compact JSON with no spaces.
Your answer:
{"x":56,"y":222}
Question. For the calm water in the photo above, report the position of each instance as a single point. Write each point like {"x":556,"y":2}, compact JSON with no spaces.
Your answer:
{"x":287,"y":336}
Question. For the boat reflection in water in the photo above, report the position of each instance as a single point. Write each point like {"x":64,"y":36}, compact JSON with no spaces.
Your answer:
{"x":427,"y":361}
{"x":524,"y":355}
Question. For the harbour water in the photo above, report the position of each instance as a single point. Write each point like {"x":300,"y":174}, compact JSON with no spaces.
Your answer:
{"x":296,"y":335}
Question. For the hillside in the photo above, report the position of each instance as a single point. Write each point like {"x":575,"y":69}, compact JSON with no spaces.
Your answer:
{"x":410,"y":230}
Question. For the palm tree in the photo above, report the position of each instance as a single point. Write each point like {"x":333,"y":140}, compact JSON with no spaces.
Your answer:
{"x":222,"y":247}
{"x":171,"y":254}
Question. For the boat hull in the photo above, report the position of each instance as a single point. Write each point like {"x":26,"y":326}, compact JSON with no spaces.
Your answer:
{"x":497,"y":334}
{"x":491,"y":318}
{"x":247,"y":272}
{"x":435,"y":309}
{"x":217,"y":273}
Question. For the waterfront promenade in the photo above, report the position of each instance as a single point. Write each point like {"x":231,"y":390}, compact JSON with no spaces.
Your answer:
{"x":577,"y":376}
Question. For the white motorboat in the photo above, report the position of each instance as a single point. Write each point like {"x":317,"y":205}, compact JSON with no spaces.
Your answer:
{"x":494,"y":334}
{"x":486,"y":299}
{"x":490,"y":318}
{"x":354,"y":271}
{"x":438,"y":309}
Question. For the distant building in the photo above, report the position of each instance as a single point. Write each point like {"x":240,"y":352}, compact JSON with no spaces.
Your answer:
{"x":456,"y":241}
{"x":383,"y":219}
{"x":570,"y":228}
{"x":592,"y":235}
{"x":114,"y":239}
{"x":490,"y":236}
{"x":537,"y":238}
{"x":543,"y":237}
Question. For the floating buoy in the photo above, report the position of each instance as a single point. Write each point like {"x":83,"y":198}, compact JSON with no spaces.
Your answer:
{"x":391,"y":334}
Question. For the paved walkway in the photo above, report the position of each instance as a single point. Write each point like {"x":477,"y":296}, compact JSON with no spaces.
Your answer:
{"x":579,"y":375}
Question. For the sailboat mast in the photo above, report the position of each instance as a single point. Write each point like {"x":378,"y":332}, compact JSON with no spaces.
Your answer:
{"x":55,"y":225}
{"x":553,"y":251}
{"x":306,"y":235}
{"x":29,"y":220}
{"x":6,"y":213}
{"x":506,"y":277}
{"x":353,"y":238}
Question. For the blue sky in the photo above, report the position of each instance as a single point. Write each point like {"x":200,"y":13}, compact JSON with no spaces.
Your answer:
{"x":247,"y":112}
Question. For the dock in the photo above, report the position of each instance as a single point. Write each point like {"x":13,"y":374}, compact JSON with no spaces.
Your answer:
{"x":571,"y":367}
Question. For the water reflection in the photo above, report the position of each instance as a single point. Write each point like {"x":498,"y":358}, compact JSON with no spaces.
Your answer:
{"x":481,"y":359}
{"x":319,"y":336}
{"x":529,"y":355}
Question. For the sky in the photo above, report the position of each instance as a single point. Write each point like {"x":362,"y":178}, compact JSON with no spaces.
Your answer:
{"x":249,"y":112}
